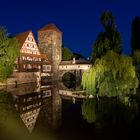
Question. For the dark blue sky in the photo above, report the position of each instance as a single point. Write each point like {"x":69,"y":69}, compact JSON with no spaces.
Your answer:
{"x":77,"y":19}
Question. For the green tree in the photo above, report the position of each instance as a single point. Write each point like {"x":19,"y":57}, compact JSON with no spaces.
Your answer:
{"x":110,"y":39}
{"x":135,"y":31}
{"x":136,"y":62}
{"x":135,"y":44}
{"x":78,"y":56}
{"x":66,"y":54}
{"x":112,"y":75}
{"x":9,"y":50}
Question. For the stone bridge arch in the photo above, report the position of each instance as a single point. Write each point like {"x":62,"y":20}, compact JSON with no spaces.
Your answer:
{"x":76,"y":67}
{"x":76,"y":73}
{"x":62,"y":72}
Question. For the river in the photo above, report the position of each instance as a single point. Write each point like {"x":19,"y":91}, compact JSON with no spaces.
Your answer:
{"x":38,"y":112}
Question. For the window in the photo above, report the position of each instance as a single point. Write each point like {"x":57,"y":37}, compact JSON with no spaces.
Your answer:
{"x":48,"y":67}
{"x":30,"y":39}
{"x":44,"y":68}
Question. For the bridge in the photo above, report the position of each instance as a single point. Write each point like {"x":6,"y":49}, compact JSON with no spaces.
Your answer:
{"x":75,"y":67}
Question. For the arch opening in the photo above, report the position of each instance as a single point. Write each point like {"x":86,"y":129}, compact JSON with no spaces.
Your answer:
{"x":69,"y":80}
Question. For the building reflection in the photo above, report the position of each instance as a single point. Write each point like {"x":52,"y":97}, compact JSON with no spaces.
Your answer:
{"x":50,"y":113}
{"x":41,"y":104}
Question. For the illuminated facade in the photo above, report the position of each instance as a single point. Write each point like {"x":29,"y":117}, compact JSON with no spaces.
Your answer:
{"x":31,"y":60}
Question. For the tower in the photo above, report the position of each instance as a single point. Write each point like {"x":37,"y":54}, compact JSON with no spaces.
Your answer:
{"x":50,"y":43}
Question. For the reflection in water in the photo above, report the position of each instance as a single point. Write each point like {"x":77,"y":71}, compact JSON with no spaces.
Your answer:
{"x":51,"y":110}
{"x":69,"y":80}
{"x":31,"y":105}
{"x":119,"y":111}
{"x":36,"y":103}
{"x":11,"y":126}
{"x":40,"y":109}
{"x":88,"y":110}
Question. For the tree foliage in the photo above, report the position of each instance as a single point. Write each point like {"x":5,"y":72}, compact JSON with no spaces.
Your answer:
{"x":110,"y":39}
{"x":136,"y":62}
{"x":112,"y":75}
{"x":9,"y":50}
{"x":135,"y":30}
{"x":66,"y":54}
{"x":78,"y":56}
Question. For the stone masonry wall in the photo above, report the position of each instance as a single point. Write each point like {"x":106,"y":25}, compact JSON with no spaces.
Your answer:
{"x":22,"y":77}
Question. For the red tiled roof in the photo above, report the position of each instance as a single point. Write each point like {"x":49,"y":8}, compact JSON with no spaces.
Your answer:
{"x":50,"y":27}
{"x":21,"y":37}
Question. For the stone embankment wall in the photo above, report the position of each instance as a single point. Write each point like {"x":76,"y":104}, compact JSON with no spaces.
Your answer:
{"x":21,"y":78}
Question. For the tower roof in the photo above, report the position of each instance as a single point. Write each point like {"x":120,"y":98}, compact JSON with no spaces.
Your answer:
{"x":50,"y":27}
{"x":21,"y":37}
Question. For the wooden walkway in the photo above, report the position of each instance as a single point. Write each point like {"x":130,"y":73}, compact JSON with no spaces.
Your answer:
{"x":75,"y":94}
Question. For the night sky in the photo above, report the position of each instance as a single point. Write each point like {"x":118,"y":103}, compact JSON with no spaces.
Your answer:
{"x":77,"y":19}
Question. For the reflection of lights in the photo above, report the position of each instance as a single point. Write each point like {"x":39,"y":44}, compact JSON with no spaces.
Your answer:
{"x":90,"y":96}
{"x":73,"y":100}
{"x":54,"y":43}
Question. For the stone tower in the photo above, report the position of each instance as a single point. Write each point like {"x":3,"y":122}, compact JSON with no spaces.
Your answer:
{"x":50,"y":43}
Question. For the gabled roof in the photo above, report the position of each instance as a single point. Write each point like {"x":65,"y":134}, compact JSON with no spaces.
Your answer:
{"x":21,"y":37}
{"x":50,"y":27}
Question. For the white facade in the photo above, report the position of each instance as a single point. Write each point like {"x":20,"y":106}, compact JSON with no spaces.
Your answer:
{"x":75,"y":67}
{"x":30,"y":45}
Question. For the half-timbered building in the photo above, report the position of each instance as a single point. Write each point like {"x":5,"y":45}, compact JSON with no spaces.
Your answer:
{"x":31,"y":60}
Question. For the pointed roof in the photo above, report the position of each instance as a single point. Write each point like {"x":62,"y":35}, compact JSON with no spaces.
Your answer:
{"x":50,"y":27}
{"x":21,"y":37}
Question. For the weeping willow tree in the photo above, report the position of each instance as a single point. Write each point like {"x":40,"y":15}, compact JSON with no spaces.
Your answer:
{"x":112,"y":75}
{"x":9,"y":51}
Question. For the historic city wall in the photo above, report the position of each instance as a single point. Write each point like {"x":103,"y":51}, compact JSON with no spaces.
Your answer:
{"x":22,"y":77}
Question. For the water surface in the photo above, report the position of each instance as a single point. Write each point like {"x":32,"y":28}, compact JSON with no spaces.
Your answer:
{"x":38,"y":112}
